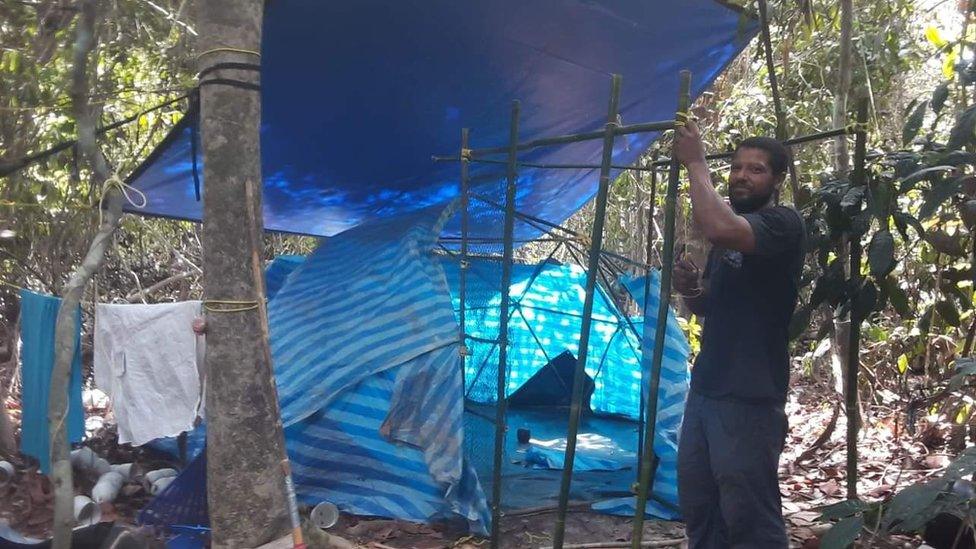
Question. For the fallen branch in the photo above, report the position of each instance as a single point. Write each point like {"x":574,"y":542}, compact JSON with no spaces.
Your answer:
{"x":575,"y":505}
{"x":610,"y":544}
{"x":141,"y":294}
{"x":823,"y":438}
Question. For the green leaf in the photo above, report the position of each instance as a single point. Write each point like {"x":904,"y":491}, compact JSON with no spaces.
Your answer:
{"x":912,"y":501}
{"x":800,"y":322}
{"x":964,"y":368}
{"x":947,"y":312}
{"x":967,"y":212}
{"x":941,"y":191}
{"x":897,"y":297}
{"x":842,"y":534}
{"x":853,"y":197}
{"x":829,"y":287}
{"x":930,"y":173}
{"x":943,"y":242}
{"x":880,"y":200}
{"x":861,"y":222}
{"x":962,"y":133}
{"x":902,"y":364}
{"x":939,"y":97}
{"x":955,"y":158}
{"x":881,"y":254}
{"x":925,"y":321}
{"x":865,"y":300}
{"x":913,"y":123}
{"x":842,"y":509}
{"x":963,"y":466}
{"x":904,"y":220}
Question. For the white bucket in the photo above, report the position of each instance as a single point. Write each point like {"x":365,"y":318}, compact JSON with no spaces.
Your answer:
{"x":86,"y":511}
{"x":108,"y":486}
{"x":161,"y":484}
{"x":153,"y":476}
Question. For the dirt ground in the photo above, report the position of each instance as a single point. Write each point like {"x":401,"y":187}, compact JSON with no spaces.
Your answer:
{"x":811,"y":476}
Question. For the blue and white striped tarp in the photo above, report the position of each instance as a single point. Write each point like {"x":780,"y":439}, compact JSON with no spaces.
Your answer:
{"x":673,"y":392}
{"x":367,"y":363}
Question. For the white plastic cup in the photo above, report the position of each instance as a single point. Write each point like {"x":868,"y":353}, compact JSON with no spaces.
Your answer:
{"x":86,"y":511}
{"x":107,"y":488}
{"x":83,"y":457}
{"x":153,"y":476}
{"x":124,"y":469}
{"x":161,"y":484}
{"x":7,"y":473}
{"x":325,"y":515}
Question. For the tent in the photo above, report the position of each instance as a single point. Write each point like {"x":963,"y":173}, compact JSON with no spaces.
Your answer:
{"x":356,"y":98}
{"x":366,"y":352}
{"x":367,"y":359}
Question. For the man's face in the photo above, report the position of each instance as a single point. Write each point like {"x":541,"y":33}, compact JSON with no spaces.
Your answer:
{"x":751,"y":180}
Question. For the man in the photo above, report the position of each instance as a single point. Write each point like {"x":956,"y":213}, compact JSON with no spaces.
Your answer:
{"x":735,"y":425}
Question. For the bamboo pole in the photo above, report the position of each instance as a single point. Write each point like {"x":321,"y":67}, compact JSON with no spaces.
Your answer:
{"x":798,"y":140}
{"x":647,"y":292}
{"x":577,"y":137}
{"x":646,"y":482}
{"x":463,"y":266}
{"x":508,"y":236}
{"x":854,"y":361}
{"x":584,"y":341}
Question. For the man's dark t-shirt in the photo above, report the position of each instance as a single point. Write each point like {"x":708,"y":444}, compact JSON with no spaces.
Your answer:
{"x":751,"y":298}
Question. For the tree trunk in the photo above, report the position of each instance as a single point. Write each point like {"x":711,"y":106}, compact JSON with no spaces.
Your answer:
{"x":842,"y":159}
{"x":67,"y":321}
{"x":245,"y":444}
{"x":8,"y":372}
{"x":840,"y":344}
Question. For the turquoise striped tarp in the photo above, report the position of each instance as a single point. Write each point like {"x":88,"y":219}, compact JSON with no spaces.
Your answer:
{"x":369,"y":382}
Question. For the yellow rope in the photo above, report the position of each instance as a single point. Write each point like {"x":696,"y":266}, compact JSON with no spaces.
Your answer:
{"x":230,"y":50}
{"x":681,"y":118}
{"x":232,"y":306}
{"x":12,"y":285}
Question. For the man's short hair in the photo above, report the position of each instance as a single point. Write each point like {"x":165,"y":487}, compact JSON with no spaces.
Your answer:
{"x":779,"y":155}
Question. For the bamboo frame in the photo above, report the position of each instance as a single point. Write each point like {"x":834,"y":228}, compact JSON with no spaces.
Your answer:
{"x":509,"y":230}
{"x":584,"y":340}
{"x":596,"y":259}
{"x":463,"y":270}
{"x":646,"y":482}
{"x":664,"y":162}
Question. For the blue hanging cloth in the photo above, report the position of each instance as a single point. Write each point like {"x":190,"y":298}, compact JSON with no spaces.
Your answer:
{"x":38,"y":316}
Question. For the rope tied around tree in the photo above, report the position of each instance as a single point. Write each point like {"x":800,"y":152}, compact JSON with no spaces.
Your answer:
{"x":681,"y":118}
{"x":114,"y":182}
{"x":230,"y":305}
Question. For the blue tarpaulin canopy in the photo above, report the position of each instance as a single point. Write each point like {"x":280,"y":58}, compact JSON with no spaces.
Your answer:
{"x":357,"y":97}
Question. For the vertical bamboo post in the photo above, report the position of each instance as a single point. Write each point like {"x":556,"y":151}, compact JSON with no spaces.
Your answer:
{"x":463,"y":266}
{"x":593,"y":266}
{"x":646,"y":482}
{"x":643,"y":335}
{"x":854,"y":361}
{"x":508,"y":237}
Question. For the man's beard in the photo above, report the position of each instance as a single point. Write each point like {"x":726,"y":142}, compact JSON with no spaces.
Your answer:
{"x":750,"y":203}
